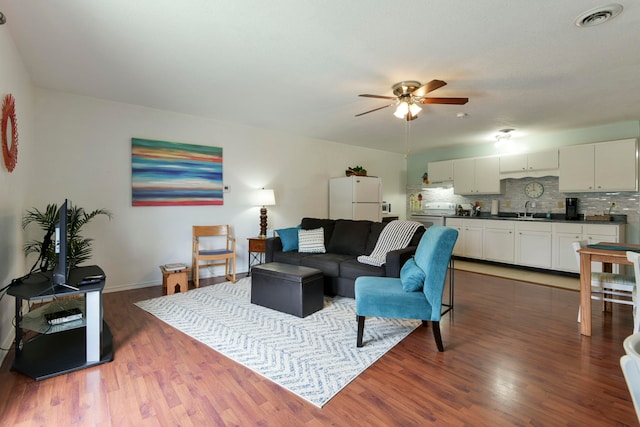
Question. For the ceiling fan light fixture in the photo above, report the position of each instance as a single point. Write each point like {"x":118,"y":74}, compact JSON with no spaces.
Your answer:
{"x":402,"y":110}
{"x":408,"y":94}
{"x":502,"y":137}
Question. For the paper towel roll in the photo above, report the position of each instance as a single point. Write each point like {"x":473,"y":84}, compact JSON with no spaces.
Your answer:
{"x":494,"y":207}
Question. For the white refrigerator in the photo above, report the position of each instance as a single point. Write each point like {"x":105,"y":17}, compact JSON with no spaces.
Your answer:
{"x":355,"y":197}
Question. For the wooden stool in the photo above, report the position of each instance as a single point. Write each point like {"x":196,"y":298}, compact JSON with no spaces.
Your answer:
{"x":174,"y":280}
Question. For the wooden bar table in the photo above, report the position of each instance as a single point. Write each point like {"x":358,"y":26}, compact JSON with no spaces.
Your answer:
{"x":607,"y":254}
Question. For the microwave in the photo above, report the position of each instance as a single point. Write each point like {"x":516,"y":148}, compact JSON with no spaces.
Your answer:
{"x":386,"y":207}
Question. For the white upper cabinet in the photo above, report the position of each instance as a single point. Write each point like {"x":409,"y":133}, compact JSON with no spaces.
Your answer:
{"x":616,"y":166}
{"x":530,"y":162}
{"x":605,"y":166}
{"x":440,"y":171}
{"x":476,"y":176}
{"x":577,"y":163}
{"x":513,"y":163}
{"x":542,"y":160}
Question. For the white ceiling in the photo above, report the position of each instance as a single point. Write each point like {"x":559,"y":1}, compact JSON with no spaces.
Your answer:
{"x":298,"y":65}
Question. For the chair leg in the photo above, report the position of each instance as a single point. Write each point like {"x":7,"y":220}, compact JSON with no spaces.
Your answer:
{"x":437,"y":336}
{"x":196,"y":280}
{"x":579,"y":313}
{"x":234,"y":271}
{"x":360,"y":330}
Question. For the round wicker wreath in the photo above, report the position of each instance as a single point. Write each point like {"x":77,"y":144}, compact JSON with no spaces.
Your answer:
{"x":9,"y":114}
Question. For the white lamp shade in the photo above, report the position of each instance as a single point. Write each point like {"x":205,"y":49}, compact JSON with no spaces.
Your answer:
{"x":402,"y":110}
{"x":264,"y":197}
{"x":414,"y":109}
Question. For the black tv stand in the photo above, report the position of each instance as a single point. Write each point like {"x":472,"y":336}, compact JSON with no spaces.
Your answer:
{"x":64,"y":285}
{"x":67,"y":347}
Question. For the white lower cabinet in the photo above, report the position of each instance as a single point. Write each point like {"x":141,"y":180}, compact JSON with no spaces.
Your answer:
{"x":470,"y":237}
{"x":499,"y":240}
{"x":533,"y":244}
{"x":458,"y":224}
{"x":564,"y":257}
{"x":472,"y":244}
{"x":564,"y":234}
{"x":538,"y":244}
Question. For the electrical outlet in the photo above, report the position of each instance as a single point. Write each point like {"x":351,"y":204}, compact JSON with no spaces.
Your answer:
{"x":560,"y":204}
{"x":508,"y":204}
{"x":226,"y":189}
{"x":613,"y":205}
{"x":533,"y":204}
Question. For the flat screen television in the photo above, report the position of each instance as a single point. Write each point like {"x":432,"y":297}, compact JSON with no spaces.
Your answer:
{"x":60,"y":274}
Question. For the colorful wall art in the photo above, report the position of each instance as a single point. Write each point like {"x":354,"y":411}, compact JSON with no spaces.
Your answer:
{"x":174,"y":174}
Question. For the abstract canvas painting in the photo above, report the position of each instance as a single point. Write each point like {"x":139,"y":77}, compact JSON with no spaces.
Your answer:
{"x":174,"y":174}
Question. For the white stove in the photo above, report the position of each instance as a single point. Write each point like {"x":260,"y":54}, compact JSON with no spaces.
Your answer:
{"x":433,"y":213}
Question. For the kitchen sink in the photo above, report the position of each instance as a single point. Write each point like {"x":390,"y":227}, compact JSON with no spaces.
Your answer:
{"x":530,"y":218}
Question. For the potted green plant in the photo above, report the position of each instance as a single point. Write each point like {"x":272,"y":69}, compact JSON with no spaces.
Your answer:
{"x":356,"y":170}
{"x":79,"y":247}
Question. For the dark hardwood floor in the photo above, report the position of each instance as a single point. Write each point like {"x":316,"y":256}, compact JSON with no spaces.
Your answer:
{"x":513,"y":356}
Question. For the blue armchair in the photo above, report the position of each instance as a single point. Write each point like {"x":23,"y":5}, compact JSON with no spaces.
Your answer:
{"x":417,"y":294}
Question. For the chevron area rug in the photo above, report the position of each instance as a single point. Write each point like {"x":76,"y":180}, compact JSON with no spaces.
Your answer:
{"x":314,"y":357}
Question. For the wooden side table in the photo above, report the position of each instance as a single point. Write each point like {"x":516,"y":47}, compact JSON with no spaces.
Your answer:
{"x":257,"y":250}
{"x":174,"y":280}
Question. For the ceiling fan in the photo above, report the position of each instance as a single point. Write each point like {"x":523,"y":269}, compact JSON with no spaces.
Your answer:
{"x":409,"y":94}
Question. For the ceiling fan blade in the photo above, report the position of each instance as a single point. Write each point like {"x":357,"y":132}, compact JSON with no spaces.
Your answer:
{"x":366,"y":95}
{"x":375,"y":109}
{"x":429,"y":87}
{"x":456,"y":101}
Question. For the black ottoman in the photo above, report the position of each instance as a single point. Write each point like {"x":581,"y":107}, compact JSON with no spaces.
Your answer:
{"x":291,"y":289}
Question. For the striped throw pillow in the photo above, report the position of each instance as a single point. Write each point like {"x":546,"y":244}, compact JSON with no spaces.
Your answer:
{"x":311,"y":241}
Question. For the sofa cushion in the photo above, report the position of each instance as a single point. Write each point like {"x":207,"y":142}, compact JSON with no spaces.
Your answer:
{"x":374,"y":233}
{"x":293,"y":257}
{"x":327,"y":224}
{"x":311,"y":241}
{"x":289,"y":238}
{"x":351,"y":269}
{"x":417,"y":236}
{"x":328,"y":263}
{"x":349,"y":237}
{"x":411,"y":276}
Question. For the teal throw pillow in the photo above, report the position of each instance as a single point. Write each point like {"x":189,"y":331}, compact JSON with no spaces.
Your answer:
{"x":289,"y":238}
{"x":411,"y":276}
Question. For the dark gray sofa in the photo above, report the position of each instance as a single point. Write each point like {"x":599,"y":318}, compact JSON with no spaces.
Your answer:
{"x":344,"y":241}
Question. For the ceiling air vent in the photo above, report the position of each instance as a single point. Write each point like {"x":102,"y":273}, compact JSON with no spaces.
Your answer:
{"x":598,"y":15}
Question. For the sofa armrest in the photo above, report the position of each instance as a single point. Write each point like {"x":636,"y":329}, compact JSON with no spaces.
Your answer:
{"x":396,"y":259}
{"x":273,"y":244}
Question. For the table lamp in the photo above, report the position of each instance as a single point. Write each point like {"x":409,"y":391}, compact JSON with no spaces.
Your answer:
{"x":263,"y":198}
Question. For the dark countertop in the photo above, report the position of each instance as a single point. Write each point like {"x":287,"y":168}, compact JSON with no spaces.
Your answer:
{"x":541,"y":217}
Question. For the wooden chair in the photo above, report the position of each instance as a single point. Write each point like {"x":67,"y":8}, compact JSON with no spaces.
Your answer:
{"x":609,"y":287}
{"x":205,"y":237}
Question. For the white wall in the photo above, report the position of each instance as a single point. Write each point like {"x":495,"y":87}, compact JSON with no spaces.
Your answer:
{"x":13,"y":186}
{"x":84,"y":154}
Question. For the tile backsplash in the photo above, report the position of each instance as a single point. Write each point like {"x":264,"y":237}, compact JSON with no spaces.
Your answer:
{"x":551,"y":201}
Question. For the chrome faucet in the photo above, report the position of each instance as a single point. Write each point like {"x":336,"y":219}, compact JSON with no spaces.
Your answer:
{"x":526,"y":208}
